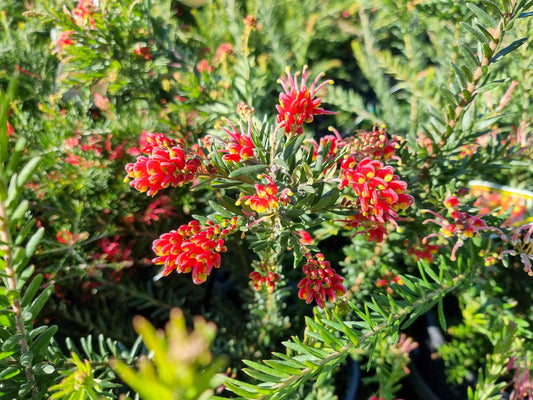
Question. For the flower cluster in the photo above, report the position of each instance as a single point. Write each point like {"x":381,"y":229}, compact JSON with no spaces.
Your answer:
{"x":264,"y":275}
{"x":380,"y":195}
{"x":298,"y":104}
{"x":84,"y":11}
{"x":266,"y":198}
{"x":490,"y":196}
{"x":193,"y":248}
{"x":167,"y":165}
{"x":113,"y":251}
{"x":522,"y":243}
{"x":387,"y":281}
{"x":374,"y":144}
{"x":335,"y":142}
{"x":321,"y":281}
{"x":462,"y":226}
{"x":423,"y":251}
{"x":239,"y":145}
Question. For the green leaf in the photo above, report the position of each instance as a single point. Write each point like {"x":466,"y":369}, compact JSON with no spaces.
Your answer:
{"x":249,"y":169}
{"x":236,"y":387}
{"x":9,"y":372}
{"x":220,"y":209}
{"x":459,"y":74}
{"x":513,"y":46}
{"x":38,"y":304}
{"x":442,"y":317}
{"x":266,"y":370}
{"x":34,"y":241}
{"x":477,"y":33}
{"x":27,"y":171}
{"x":12,"y":342}
{"x":18,"y":151}
{"x":31,"y":290}
{"x":482,"y":15}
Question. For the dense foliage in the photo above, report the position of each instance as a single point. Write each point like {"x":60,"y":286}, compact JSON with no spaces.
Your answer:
{"x":340,"y":188}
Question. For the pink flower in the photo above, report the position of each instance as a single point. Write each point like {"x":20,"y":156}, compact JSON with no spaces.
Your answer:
{"x":193,"y":248}
{"x":321,"y":281}
{"x":167,"y":165}
{"x":298,"y":103}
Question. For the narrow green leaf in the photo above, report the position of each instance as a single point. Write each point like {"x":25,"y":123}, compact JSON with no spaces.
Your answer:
{"x":9,"y":372}
{"x":27,"y":171}
{"x":526,"y":15}
{"x":513,"y":46}
{"x":283,"y":366}
{"x":479,"y":36}
{"x":38,"y":304}
{"x":265,"y":369}
{"x":260,"y":376}
{"x":34,"y":241}
{"x":248,"y":170}
{"x":472,"y":59}
{"x":237,"y":387}
{"x":485,"y":33}
{"x":220,"y":209}
{"x":12,"y":342}
{"x":14,"y":160}
{"x":459,"y":74}
{"x":442,"y":317}
{"x":468,"y":73}
{"x":482,"y":15}
{"x":449,"y":97}
{"x":31,"y":290}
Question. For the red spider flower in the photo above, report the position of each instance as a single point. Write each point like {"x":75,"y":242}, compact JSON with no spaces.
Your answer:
{"x":298,"y":104}
{"x":335,"y":142}
{"x":423,"y":251}
{"x":167,"y":165}
{"x":10,"y":130}
{"x":462,"y":226}
{"x":143,"y":51}
{"x":265,"y":199}
{"x":264,"y":275}
{"x":239,"y":145}
{"x":67,"y":237}
{"x":522,"y":243}
{"x":380,"y":193}
{"x":374,"y":144}
{"x":64,"y":40}
{"x":193,"y":248}
{"x":321,"y":281}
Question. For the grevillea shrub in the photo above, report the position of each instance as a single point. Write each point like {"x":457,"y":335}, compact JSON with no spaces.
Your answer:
{"x":343,"y":189}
